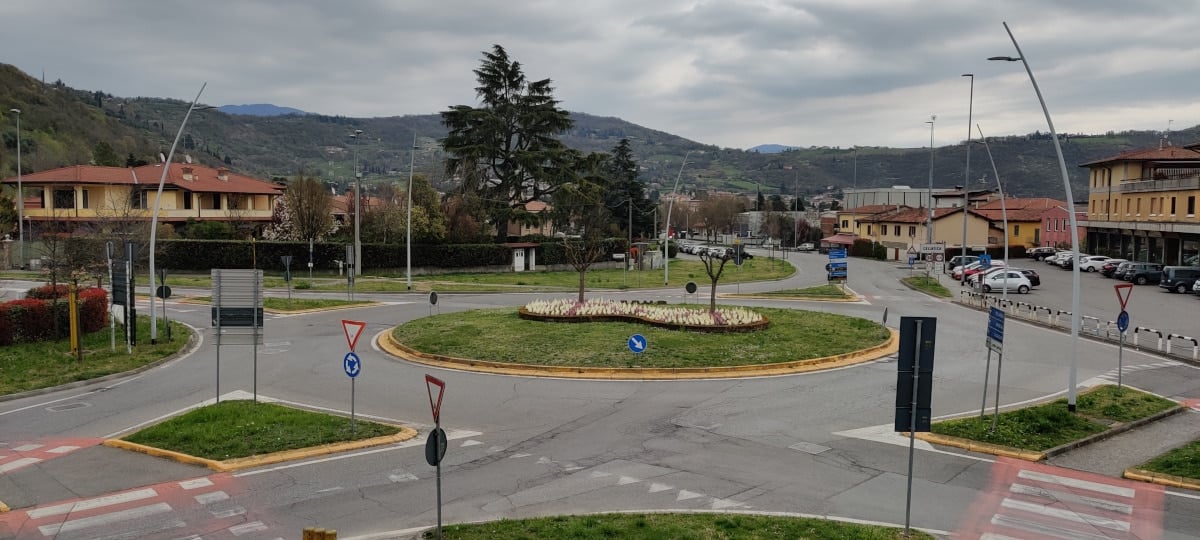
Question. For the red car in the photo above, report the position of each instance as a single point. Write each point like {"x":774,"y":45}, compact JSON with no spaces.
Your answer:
{"x":973,"y":271}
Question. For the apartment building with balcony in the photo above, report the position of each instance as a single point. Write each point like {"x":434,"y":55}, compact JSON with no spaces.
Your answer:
{"x":1143,"y":204}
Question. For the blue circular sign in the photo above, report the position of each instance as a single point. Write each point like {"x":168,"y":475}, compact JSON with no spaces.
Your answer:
{"x":637,"y":343}
{"x":352,"y":365}
{"x":1123,"y":321}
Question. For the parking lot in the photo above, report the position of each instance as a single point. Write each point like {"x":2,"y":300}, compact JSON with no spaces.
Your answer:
{"x":1149,"y":305}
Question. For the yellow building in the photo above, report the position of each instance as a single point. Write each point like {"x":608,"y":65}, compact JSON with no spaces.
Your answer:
{"x":905,"y":228}
{"x":90,"y":195}
{"x":1142,"y":205}
{"x":1025,"y":218}
{"x":852,"y":221}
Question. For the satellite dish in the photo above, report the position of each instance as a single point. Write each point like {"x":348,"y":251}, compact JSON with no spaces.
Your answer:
{"x":187,"y":158}
{"x":162,"y":158}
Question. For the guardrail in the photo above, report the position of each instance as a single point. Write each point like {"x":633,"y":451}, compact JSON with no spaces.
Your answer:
{"x":1195,"y":344}
{"x":1137,"y":331}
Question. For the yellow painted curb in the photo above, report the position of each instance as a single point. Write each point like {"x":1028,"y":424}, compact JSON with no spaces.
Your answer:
{"x":365,"y":303}
{"x":1134,"y":473}
{"x":3,"y":507}
{"x":237,"y":464}
{"x":983,"y":448}
{"x":390,"y":345}
{"x":797,"y":297}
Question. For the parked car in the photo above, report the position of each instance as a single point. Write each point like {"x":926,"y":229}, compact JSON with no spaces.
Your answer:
{"x":1110,"y":266}
{"x":1142,"y":273}
{"x":1119,"y":272}
{"x":1057,"y":258}
{"x":807,"y":246}
{"x":1039,"y":253}
{"x":1034,"y":279}
{"x":1196,"y":287}
{"x":959,"y":260}
{"x":1179,"y":279}
{"x":957,"y":273}
{"x":1092,"y":263}
{"x":979,"y":269}
{"x":1010,"y":279}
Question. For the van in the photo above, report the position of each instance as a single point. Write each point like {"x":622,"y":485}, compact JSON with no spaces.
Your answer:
{"x":1179,"y":279}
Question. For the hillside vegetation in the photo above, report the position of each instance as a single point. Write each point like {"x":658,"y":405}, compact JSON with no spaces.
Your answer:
{"x":64,"y":126}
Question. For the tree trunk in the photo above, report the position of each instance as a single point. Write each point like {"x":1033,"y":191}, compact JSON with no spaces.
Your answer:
{"x":582,"y":273}
{"x":712,"y":298}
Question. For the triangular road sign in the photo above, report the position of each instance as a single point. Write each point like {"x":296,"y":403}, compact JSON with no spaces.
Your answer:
{"x":353,"y":330}
{"x":1127,"y":289}
{"x":912,"y":250}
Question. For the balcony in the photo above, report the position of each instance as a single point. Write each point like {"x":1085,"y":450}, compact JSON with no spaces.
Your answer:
{"x":1186,"y":182}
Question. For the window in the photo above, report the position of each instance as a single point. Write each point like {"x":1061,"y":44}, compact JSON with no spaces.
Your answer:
{"x":235,"y":202}
{"x":85,"y":202}
{"x":1191,"y":205}
{"x":897,"y":230}
{"x":137,"y":199}
{"x":1138,"y":207}
{"x":1016,"y":230}
{"x":1172,"y":206}
{"x":912,"y":230}
{"x":1127,"y":207}
{"x":187,"y":200}
{"x":845,"y":223}
{"x":64,"y":198}
{"x":1037,"y":236}
{"x":216,"y":201}
{"x":868,"y":230}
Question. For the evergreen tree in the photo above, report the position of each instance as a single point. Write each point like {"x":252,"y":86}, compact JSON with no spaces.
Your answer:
{"x":627,"y":189}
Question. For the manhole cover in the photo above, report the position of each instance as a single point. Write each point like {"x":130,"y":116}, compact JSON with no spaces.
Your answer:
{"x":811,"y":448}
{"x":67,"y":407}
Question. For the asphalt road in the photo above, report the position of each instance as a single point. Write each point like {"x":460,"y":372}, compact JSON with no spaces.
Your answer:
{"x":817,"y":443}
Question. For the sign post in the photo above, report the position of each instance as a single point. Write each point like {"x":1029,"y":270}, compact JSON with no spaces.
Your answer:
{"x":929,"y":252}
{"x":995,"y":342}
{"x":838,"y":270}
{"x":914,"y":387}
{"x":164,"y":292}
{"x":112,"y":297}
{"x":237,"y":313}
{"x":637,"y":344}
{"x":287,"y":273}
{"x":435,"y":445}
{"x":351,"y":363}
{"x":1123,"y":291}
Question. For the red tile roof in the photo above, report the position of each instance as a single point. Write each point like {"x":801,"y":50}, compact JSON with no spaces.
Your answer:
{"x":204,"y":179}
{"x":915,"y":215}
{"x":1034,"y":203}
{"x":873,"y":209}
{"x":1166,"y":153}
{"x":1020,"y":214}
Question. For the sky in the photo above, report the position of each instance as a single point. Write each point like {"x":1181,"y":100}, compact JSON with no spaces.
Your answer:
{"x":731,"y":73}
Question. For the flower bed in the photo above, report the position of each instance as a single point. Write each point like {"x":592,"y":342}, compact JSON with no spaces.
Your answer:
{"x":724,"y":319}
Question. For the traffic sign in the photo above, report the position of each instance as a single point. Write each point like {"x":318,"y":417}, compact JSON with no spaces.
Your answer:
{"x":353,"y":330}
{"x":1123,"y":291}
{"x":933,"y":248}
{"x":912,"y":250}
{"x":163,"y":292}
{"x":1123,"y":321}
{"x":939,"y":257}
{"x":433,"y":298}
{"x":352,"y":365}
{"x":995,"y":329}
{"x":435,"y":446}
{"x":837,"y":254}
{"x":430,"y":382}
{"x":690,"y":287}
{"x":637,"y":343}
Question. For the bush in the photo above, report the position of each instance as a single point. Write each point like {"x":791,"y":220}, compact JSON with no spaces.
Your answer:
{"x":47,"y":292}
{"x":6,"y":325}
{"x":93,"y":309}
{"x":862,"y":248}
{"x":31,"y":319}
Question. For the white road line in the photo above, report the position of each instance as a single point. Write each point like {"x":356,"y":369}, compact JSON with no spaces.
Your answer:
{"x":27,"y":447}
{"x":17,"y":464}
{"x":211,"y":497}
{"x":1063,"y":496}
{"x":140,"y":512}
{"x":1045,"y":529}
{"x":62,"y":449}
{"x":994,"y":536}
{"x":1074,"y":483}
{"x":253,"y":526}
{"x":98,"y":502}
{"x":685,"y":495}
{"x":195,"y":483}
{"x":1057,"y":513}
{"x":229,"y":512}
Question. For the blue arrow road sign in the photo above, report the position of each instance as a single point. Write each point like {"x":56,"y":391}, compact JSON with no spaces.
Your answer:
{"x":637,"y":343}
{"x":995,"y":329}
{"x":352,"y":364}
{"x":1123,"y":321}
{"x":837,"y":254}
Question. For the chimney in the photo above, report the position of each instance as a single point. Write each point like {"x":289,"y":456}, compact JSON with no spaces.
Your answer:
{"x":187,"y":174}
{"x":223,"y":174}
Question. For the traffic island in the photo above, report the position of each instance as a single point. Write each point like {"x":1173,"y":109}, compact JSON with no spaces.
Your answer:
{"x":294,"y":306}
{"x":820,"y":293}
{"x":240,"y":434}
{"x":927,"y":285}
{"x":653,"y":526}
{"x":500,"y":341}
{"x":1178,"y":468}
{"x":1041,"y":431}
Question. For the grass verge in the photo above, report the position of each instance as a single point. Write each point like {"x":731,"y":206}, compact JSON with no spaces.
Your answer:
{"x":928,"y":285}
{"x":820,"y":291}
{"x":30,"y":366}
{"x":243,"y":428}
{"x":295,"y":304}
{"x":670,"y":526}
{"x":1042,"y":427}
{"x":499,"y":335}
{"x":1183,"y":461}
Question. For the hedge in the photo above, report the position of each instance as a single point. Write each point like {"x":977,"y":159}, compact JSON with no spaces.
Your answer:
{"x":33,"y":319}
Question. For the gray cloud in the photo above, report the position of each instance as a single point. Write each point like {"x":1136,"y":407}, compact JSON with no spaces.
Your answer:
{"x":727,"y":72}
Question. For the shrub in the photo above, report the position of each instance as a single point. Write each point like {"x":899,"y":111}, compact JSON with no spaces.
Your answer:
{"x":6,"y":325}
{"x":93,"y":309}
{"x":32,"y":320}
{"x":47,"y":292}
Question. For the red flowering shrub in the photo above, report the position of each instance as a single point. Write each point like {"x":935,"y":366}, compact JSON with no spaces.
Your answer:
{"x":6,"y":326}
{"x":47,"y":292}
{"x":32,"y":320}
{"x":93,"y":309}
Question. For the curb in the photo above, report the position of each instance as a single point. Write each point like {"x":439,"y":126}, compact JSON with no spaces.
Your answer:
{"x":390,"y":345}
{"x":3,"y":507}
{"x":237,"y":464}
{"x":190,"y":347}
{"x":365,"y":303}
{"x":856,"y":298}
{"x":926,"y":293}
{"x":1134,"y":473}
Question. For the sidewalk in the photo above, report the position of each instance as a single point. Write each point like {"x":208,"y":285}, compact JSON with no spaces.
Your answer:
{"x":1112,"y":456}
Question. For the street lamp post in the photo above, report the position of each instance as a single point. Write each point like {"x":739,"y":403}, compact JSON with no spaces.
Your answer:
{"x":929,"y":219}
{"x":157,"y":205}
{"x":20,"y":198}
{"x":408,"y":228}
{"x":1062,"y":165}
{"x":1003,"y":207}
{"x":967,"y":173}
{"x":667,"y":245}
{"x":357,"y":207}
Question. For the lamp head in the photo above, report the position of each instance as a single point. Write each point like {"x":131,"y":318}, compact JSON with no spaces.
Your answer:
{"x":18,"y":111}
{"x":971,"y":75}
{"x":1005,"y":58}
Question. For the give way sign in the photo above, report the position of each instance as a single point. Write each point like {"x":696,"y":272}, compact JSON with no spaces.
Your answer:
{"x":353,"y":330}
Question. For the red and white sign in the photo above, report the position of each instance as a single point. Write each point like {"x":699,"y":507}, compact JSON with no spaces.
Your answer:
{"x":1127,"y":289}
{"x":353,"y":330}
{"x":430,"y":382}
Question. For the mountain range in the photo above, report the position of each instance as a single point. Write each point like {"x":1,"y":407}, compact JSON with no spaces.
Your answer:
{"x":65,"y":126}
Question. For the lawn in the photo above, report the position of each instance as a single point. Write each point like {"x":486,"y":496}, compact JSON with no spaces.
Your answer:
{"x":243,"y":428}
{"x":1183,"y":461}
{"x":820,"y":291}
{"x":670,"y":527}
{"x":296,"y":304}
{"x":29,"y":366}
{"x":1046,"y":426}
{"x":927,"y":285}
{"x":500,"y":335}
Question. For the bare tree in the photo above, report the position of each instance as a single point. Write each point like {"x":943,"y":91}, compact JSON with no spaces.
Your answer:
{"x":720,"y":212}
{"x":714,"y":274}
{"x":303,"y":213}
{"x":580,"y":206}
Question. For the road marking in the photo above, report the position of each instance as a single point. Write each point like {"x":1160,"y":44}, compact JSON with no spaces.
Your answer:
{"x":245,"y":528}
{"x":140,"y":512}
{"x":195,"y":483}
{"x":655,"y":487}
{"x":211,"y":497}
{"x":1044,"y":529}
{"x":406,"y":477}
{"x":519,"y":455}
{"x":600,"y":474}
{"x":98,"y":502}
{"x":685,"y":495}
{"x":1075,"y":483}
{"x":62,"y":449}
{"x":1064,"y":496}
{"x":1098,"y":521}
{"x":624,"y":480}
{"x":17,"y":464}
{"x":721,"y":504}
{"x":229,"y":512}
{"x":27,"y":447}
{"x":471,"y":442}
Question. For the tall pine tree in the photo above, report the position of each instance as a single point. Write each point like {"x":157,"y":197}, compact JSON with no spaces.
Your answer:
{"x":628,"y":191}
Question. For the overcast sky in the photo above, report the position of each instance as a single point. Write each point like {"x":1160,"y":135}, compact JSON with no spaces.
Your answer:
{"x":733,"y":73}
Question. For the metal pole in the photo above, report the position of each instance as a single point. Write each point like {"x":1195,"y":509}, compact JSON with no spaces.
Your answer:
{"x":1062,"y":165}
{"x":166,"y":322}
{"x":217,"y":303}
{"x":629,"y":245}
{"x":408,"y":228}
{"x":254,"y":340}
{"x":929,"y":220}
{"x":1003,"y":209}
{"x":158,"y":204}
{"x":353,"y":423}
{"x":437,"y":426}
{"x":112,"y":321}
{"x":1120,"y":358}
{"x":987,"y":371}
{"x":996,"y":410}
{"x":670,"y":205}
{"x":912,"y":426}
{"x":967,"y":173}
{"x":20,"y":199}
{"x":357,"y":208}
{"x":310,"y":258}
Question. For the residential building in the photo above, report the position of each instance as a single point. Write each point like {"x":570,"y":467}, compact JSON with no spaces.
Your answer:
{"x":545,"y":228}
{"x":890,"y":196}
{"x":905,"y":228}
{"x":1025,"y":218}
{"x":1142,"y":204}
{"x":850,"y":221}
{"x":1056,"y":227}
{"x":97,"y":197}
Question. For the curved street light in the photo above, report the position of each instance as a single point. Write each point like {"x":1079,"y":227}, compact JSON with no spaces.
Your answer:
{"x":967,"y":172}
{"x":1062,"y":165}
{"x":670,"y":205}
{"x":357,"y":207}
{"x":1003,"y":207}
{"x":157,"y":205}
{"x":408,"y":227}
{"x":20,"y":202}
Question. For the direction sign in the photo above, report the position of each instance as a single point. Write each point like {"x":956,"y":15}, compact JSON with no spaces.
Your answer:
{"x":837,"y":254}
{"x":690,"y":287}
{"x":1123,"y":291}
{"x":637,"y":343}
{"x":353,"y":330}
{"x":430,"y":382}
{"x":163,"y":291}
{"x":1123,"y":321}
{"x":352,"y":365}
{"x":995,"y":329}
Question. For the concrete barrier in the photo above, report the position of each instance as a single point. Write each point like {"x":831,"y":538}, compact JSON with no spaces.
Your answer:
{"x":1195,"y":343}
{"x":1138,"y":330}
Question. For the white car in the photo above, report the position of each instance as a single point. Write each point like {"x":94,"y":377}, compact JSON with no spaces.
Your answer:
{"x":1058,"y":258}
{"x":1010,"y":279}
{"x":972,"y":269}
{"x":1093,"y":263}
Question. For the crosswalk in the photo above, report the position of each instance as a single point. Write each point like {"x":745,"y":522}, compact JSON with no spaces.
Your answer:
{"x":18,"y":455}
{"x":1111,"y":375}
{"x":168,"y":510}
{"x":1032,"y":501}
